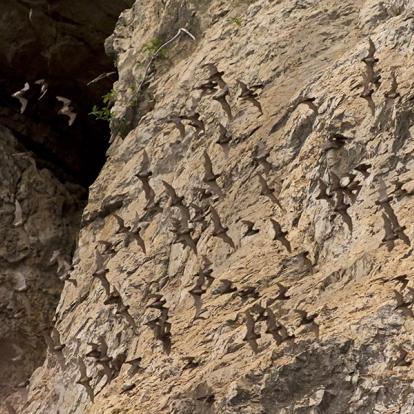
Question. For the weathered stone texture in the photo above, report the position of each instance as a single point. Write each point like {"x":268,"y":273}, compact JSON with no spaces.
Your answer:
{"x":29,"y":286}
{"x":294,"y":49}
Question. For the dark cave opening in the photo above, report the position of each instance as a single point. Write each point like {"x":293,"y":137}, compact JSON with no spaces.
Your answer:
{"x":61,"y":43}
{"x":74,"y":153}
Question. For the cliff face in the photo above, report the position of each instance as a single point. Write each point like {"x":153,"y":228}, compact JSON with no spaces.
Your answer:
{"x":44,"y":164}
{"x":40,"y":216}
{"x":340,"y":338}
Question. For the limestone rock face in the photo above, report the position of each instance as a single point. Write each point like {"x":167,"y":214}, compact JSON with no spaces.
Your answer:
{"x":40,"y":215}
{"x":351,"y":352}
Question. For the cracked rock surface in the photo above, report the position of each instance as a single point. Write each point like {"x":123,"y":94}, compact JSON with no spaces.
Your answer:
{"x":344,"y":255}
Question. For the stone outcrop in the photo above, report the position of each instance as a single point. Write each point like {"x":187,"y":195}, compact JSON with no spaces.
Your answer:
{"x":351,"y":351}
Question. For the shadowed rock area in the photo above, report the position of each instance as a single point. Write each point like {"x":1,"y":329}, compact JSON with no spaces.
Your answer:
{"x":39,"y":216}
{"x":62,"y":43}
{"x":45,"y":164}
{"x":247,"y":246}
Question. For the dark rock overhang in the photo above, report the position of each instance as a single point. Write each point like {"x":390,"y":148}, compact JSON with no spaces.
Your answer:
{"x":61,"y":41}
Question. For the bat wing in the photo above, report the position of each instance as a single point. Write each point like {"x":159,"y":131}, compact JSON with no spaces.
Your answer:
{"x":169,"y":190}
{"x":208,"y":166}
{"x":277,"y":228}
{"x":145,"y":163}
{"x":82,"y":367}
{"x":103,"y":345}
{"x":372,"y":49}
{"x":149,"y":192}
{"x":263,"y":183}
{"x":216,"y":219}
{"x":18,"y":214}
{"x":227,"y":239}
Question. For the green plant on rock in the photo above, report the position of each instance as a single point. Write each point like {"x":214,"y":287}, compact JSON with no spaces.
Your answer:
{"x":153,"y":45}
{"x":104,"y":112}
{"x":235,"y":20}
